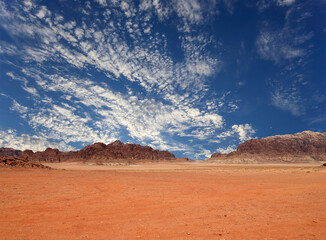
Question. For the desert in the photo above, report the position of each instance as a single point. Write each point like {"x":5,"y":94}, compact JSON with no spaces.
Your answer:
{"x":180,"y":201}
{"x":104,"y":195}
{"x":162,"y":119}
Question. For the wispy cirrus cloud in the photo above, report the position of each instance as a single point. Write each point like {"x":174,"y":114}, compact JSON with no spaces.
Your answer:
{"x":19,"y":108}
{"x":94,"y":79}
{"x":143,"y":118}
{"x":289,"y":47}
{"x":288,"y":101}
{"x":281,"y":45}
{"x":189,"y":11}
{"x":285,"y":2}
{"x":264,"y":4}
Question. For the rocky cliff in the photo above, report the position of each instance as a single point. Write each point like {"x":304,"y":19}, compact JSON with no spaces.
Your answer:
{"x":305,"y":147}
{"x":9,"y":152}
{"x":100,"y":152}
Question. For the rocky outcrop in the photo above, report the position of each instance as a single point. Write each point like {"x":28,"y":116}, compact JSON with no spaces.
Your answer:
{"x":7,"y":161}
{"x":49,"y":155}
{"x":119,"y":150}
{"x":100,"y":152}
{"x":9,"y":152}
{"x":305,"y":147}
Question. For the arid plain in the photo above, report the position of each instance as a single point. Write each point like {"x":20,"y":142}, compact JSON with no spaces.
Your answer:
{"x":163,"y":201}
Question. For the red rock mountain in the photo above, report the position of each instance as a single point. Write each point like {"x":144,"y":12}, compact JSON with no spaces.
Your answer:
{"x":7,"y":161}
{"x":298,"y":148}
{"x":99,"y":152}
{"x":9,"y":152}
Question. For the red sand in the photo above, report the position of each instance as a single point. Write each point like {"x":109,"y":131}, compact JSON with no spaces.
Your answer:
{"x":193,"y":203}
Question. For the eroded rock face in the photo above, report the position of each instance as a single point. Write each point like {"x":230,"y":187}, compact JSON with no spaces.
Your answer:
{"x":99,"y":152}
{"x":49,"y":155}
{"x":7,"y":161}
{"x":307,"y":142}
{"x":301,"y":147}
{"x":9,"y":152}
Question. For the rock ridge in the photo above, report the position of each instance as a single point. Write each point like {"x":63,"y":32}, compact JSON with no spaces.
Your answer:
{"x":304,"y":147}
{"x":100,"y":152}
{"x":9,"y":152}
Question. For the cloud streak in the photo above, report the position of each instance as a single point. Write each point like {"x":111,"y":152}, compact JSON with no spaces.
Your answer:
{"x":114,"y":74}
{"x":289,"y":47}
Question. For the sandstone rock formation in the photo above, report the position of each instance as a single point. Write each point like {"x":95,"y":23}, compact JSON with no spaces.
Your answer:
{"x":305,"y":147}
{"x":49,"y":155}
{"x":9,"y":152}
{"x":100,"y":152}
{"x":7,"y":161}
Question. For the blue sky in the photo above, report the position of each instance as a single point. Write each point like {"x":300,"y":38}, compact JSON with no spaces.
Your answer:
{"x":189,"y":76}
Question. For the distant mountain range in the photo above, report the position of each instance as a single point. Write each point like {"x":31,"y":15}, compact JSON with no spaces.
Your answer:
{"x":98,"y":152}
{"x":305,"y":147}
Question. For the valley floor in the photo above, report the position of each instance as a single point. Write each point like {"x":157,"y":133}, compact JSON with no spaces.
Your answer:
{"x":163,"y":201}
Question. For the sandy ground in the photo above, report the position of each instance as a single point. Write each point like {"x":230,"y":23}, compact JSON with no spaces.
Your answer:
{"x":163,"y":201}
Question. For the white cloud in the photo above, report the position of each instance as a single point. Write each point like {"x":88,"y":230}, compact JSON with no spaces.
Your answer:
{"x":128,"y":10}
{"x":31,"y":90}
{"x":28,"y":5}
{"x":43,"y":12}
{"x":18,"y":107}
{"x":145,"y":5}
{"x":285,"y":2}
{"x":159,"y":98}
{"x":288,"y":101}
{"x":189,"y":10}
{"x":142,"y":122}
{"x":58,"y":18}
{"x":60,"y":122}
{"x":245,"y":131}
{"x":273,"y":46}
{"x":146,"y":120}
{"x":264,"y":4}
{"x":5,"y":48}
{"x":147,"y":63}
{"x":202,"y":153}
{"x":79,"y":32}
{"x":289,"y":47}
{"x":228,"y":149}
{"x":102,"y":2}
{"x":161,"y":11}
{"x":40,"y":142}
{"x":225,"y":134}
{"x":287,"y":42}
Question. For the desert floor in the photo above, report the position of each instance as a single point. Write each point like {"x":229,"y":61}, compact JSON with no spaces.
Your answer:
{"x":163,"y":201}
